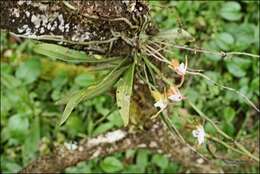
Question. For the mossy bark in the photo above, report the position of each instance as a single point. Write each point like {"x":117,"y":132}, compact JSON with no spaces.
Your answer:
{"x":110,"y":27}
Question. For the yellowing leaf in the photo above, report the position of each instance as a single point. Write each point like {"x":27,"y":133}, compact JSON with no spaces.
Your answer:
{"x":156,"y":95}
{"x":124,"y":92}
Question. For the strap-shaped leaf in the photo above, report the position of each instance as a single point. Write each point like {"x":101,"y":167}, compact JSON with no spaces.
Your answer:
{"x":69,"y":55}
{"x":91,"y":92}
{"x":173,"y":35}
{"x":124,"y":92}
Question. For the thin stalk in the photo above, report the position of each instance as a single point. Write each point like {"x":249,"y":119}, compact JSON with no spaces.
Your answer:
{"x":148,"y":63}
{"x":159,"y":54}
{"x":227,"y":88}
{"x":174,"y":130}
{"x":205,"y":51}
{"x":238,"y":145}
{"x":201,"y":114}
{"x":241,"y":150}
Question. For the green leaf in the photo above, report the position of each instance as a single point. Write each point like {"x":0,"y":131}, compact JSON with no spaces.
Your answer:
{"x":231,"y":11}
{"x":18,"y":126}
{"x":116,"y":119}
{"x":111,"y":164}
{"x":61,"y":53}
{"x":30,"y":146}
{"x":238,"y":66}
{"x":74,"y":125}
{"x":85,"y":79}
{"x":9,"y":166}
{"x":91,"y":92}
{"x":224,"y":41}
{"x":160,"y":161}
{"x":124,"y":92}
{"x":229,"y":114}
{"x":174,"y":35}
{"x":142,"y":159}
{"x":245,"y":36}
{"x":29,"y":71}
{"x":10,"y":81}
{"x":104,"y":127}
{"x":228,"y":128}
{"x":60,"y":79}
{"x":212,"y":45}
{"x":209,"y":128}
{"x":235,"y":69}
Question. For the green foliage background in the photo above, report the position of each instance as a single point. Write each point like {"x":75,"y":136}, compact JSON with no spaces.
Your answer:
{"x":30,"y":87}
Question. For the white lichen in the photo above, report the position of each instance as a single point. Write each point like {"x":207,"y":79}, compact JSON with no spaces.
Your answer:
{"x":20,"y":2}
{"x":54,"y":26}
{"x":110,"y":137}
{"x":16,"y":13}
{"x":42,"y":30}
{"x":22,"y":29}
{"x":36,"y":21}
{"x":27,"y":13}
{"x":61,"y":21}
{"x":71,"y":146}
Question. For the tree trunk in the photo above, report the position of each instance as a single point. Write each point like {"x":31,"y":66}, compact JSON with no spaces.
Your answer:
{"x":109,"y":27}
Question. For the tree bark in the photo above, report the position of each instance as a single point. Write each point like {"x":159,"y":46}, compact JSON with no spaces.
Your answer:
{"x":155,"y":137}
{"x":110,"y":27}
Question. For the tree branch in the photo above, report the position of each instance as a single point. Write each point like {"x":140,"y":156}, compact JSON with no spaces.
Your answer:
{"x":98,"y":26}
{"x":155,"y":137}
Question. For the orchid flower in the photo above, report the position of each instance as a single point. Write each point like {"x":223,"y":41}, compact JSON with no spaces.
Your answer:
{"x":175,"y":95}
{"x":200,"y":134}
{"x":161,"y":100}
{"x":180,"y":69}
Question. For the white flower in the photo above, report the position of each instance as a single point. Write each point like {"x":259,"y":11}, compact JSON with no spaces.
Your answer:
{"x":181,"y":69}
{"x":175,"y":97}
{"x":162,"y":104}
{"x":175,"y":94}
{"x":199,"y":133}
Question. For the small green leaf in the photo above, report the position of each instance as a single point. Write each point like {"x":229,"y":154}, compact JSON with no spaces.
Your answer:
{"x":60,"y":79}
{"x":124,"y":92}
{"x":104,"y":127}
{"x":30,"y":146}
{"x":10,"y":81}
{"x":85,"y":79}
{"x":18,"y":126}
{"x":160,"y":161}
{"x":116,"y":119}
{"x":229,"y":114}
{"x":91,"y":92}
{"x":29,"y":71}
{"x":209,"y":128}
{"x":174,"y":35}
{"x":238,"y":66}
{"x":212,"y":45}
{"x":74,"y":125}
{"x":231,"y":11}
{"x":228,"y":128}
{"x":142,"y":159}
{"x":61,"y":53}
{"x":235,"y":70}
{"x":111,"y":164}
{"x":224,"y":41}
